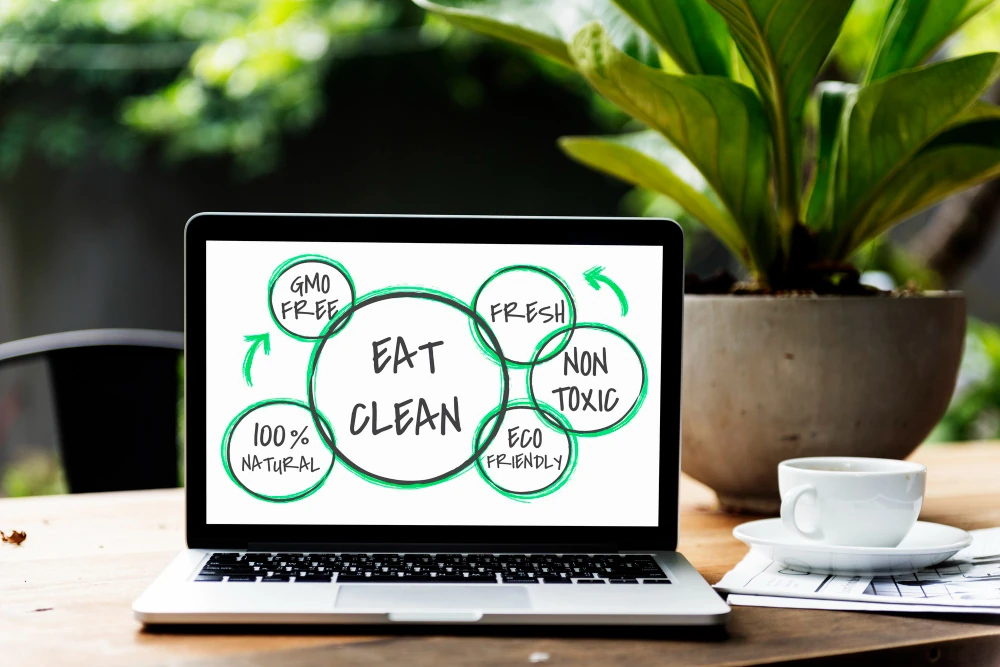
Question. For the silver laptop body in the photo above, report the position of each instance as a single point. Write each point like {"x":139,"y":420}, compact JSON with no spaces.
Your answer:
{"x":432,"y":420}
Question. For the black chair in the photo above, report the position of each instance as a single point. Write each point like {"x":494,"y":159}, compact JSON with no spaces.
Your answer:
{"x":116,"y":401}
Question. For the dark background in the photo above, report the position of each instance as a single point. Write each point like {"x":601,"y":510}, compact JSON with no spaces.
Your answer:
{"x":99,"y":245}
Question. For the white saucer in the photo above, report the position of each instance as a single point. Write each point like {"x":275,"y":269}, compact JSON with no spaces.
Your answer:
{"x":926,"y":545}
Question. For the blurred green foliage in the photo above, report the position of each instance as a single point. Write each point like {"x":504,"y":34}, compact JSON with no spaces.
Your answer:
{"x":233,"y":76}
{"x":206,"y":76}
{"x":257,"y":72}
{"x":981,"y":34}
{"x":974,"y":413}
{"x":892,"y":259}
{"x":40,"y":474}
{"x":860,"y":34}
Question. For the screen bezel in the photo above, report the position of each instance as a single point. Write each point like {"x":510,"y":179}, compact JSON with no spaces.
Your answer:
{"x":206,"y":227}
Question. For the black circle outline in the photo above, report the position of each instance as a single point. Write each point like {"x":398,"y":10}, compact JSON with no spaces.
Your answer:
{"x":562,"y":286}
{"x":274,"y":281}
{"x":628,"y":413}
{"x":334,"y":329}
{"x":260,"y":496}
{"x":565,"y":471}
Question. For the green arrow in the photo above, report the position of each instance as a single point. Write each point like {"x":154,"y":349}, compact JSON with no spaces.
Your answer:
{"x":264,"y":338}
{"x":594,"y":279}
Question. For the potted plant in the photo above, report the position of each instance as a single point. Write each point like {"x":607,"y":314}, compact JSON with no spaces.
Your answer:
{"x":801,"y":359}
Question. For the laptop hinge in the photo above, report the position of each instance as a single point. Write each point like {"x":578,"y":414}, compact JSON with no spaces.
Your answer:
{"x":463,"y":547}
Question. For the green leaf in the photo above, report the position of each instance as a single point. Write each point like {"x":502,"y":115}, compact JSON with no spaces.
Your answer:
{"x":546,"y":26}
{"x":831,"y":99}
{"x":965,"y":155}
{"x":915,"y":29}
{"x":648,"y":160}
{"x":718,"y":124}
{"x":785,"y":43}
{"x":692,"y":33}
{"x":978,"y":111}
{"x":888,"y":123}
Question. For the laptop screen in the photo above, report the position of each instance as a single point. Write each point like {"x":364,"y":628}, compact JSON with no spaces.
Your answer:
{"x":433,"y":384}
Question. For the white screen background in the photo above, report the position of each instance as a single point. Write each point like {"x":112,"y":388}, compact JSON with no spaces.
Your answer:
{"x":615,"y":481}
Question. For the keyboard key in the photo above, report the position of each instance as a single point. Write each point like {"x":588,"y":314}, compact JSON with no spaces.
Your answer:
{"x":519,"y":580}
{"x":656,"y":581}
{"x":277,"y":577}
{"x":207,"y":578}
{"x":623,"y":581}
{"x":243,"y":578}
{"x":557,"y":580}
{"x":591,"y":581}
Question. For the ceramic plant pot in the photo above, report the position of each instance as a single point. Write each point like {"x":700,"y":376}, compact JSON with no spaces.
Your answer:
{"x":772,"y":378}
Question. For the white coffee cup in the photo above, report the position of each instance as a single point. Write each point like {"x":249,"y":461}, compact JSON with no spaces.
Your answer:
{"x":851,"y":501}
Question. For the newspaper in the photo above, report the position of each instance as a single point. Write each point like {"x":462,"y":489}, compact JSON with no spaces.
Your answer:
{"x":843,"y":605}
{"x":970,"y":580}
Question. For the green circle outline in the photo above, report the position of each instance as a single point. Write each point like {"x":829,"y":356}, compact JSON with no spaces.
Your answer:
{"x":227,"y":438}
{"x":333,"y":329}
{"x":633,"y":411}
{"x":564,"y":476}
{"x":295,"y":261}
{"x":530,"y":268}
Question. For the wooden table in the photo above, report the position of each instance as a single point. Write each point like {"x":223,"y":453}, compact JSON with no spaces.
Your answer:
{"x":65,"y":597}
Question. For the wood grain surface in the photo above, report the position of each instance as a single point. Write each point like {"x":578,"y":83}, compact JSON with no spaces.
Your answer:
{"x":65,"y":597}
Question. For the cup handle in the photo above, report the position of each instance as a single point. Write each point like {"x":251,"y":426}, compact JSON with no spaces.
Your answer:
{"x":788,"y":504}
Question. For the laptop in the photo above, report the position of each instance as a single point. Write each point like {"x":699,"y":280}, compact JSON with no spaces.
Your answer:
{"x":428,"y":419}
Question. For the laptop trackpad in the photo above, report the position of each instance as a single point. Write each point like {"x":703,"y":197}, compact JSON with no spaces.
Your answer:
{"x":428,"y":597}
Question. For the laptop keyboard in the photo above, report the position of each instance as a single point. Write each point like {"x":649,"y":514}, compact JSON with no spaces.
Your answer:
{"x":352,"y":568}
